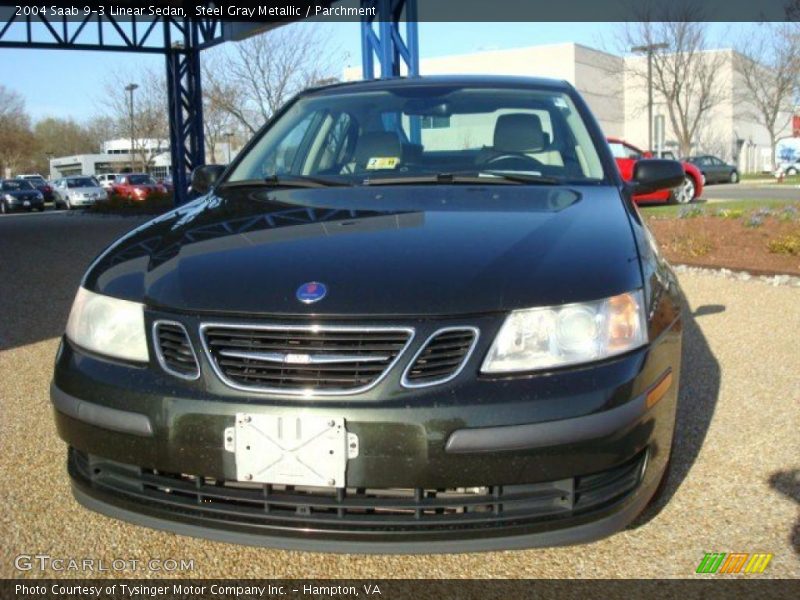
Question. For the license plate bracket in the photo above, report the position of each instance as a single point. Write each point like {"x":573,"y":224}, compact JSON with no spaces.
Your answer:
{"x":291,"y":450}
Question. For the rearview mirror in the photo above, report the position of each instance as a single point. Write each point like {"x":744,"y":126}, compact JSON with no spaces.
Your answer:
{"x":654,"y":174}
{"x":204,"y":176}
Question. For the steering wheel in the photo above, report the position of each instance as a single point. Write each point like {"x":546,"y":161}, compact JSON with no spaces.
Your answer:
{"x":513,"y":160}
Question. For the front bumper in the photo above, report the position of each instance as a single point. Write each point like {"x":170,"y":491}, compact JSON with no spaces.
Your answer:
{"x":24,"y":204}
{"x":538,"y":438}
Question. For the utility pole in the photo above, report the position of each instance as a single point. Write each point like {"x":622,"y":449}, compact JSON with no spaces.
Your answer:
{"x":649,"y":49}
{"x":130,"y":88}
{"x":229,"y":135}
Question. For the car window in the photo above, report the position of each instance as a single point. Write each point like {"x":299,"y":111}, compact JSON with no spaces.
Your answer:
{"x":620,"y":150}
{"x":141,"y":180}
{"x":16,"y":185}
{"x":80,"y":182}
{"x":421,"y":130}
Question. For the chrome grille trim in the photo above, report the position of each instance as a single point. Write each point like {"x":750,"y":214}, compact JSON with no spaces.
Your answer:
{"x":160,"y":355}
{"x":406,"y":383}
{"x":311,"y":392}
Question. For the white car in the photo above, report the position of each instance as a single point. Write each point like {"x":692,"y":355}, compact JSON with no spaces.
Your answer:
{"x":78,"y":190}
{"x":106,"y":180}
{"x":788,"y":169}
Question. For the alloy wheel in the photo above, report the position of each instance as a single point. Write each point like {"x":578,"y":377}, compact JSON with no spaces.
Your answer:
{"x":685,"y":193}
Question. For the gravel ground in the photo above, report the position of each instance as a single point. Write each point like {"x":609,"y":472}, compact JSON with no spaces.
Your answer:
{"x":735,"y":485}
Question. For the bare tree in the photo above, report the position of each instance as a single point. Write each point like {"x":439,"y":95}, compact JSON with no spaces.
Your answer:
{"x":150,"y":112}
{"x":16,"y":137}
{"x":254,"y":78}
{"x":768,"y":69}
{"x":218,"y":123}
{"x":686,"y":77}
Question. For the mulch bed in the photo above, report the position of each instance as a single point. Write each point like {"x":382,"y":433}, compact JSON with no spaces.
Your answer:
{"x":716,"y":242}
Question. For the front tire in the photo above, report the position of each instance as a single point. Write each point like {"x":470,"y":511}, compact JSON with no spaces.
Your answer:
{"x":684,"y":193}
{"x":734,"y":177}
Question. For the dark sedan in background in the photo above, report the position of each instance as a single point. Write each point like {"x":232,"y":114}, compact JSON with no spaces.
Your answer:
{"x":18,"y":194}
{"x":715,"y":170}
{"x":41,"y":184}
{"x":375,"y":336}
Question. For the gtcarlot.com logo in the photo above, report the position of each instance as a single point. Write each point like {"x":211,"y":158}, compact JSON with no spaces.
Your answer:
{"x":45,"y":562}
{"x":734,"y":562}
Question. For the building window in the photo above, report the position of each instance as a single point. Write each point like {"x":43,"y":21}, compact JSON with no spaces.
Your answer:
{"x":434,"y":122}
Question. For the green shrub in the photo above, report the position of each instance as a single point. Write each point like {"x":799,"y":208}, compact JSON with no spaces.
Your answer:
{"x":730,"y":213}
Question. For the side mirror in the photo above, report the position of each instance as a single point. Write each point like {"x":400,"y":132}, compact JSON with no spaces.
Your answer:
{"x":204,"y":176}
{"x":653,"y":174}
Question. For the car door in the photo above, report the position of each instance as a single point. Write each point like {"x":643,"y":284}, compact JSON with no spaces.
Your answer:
{"x":723,"y":170}
{"x":711,"y":169}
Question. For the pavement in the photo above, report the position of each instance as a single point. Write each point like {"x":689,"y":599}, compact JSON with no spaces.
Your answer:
{"x":735,"y":485}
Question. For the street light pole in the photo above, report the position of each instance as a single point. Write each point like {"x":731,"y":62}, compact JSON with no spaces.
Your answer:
{"x":229,"y":135}
{"x":129,"y":88}
{"x":649,"y":49}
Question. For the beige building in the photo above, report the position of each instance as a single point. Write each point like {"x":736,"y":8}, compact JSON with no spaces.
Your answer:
{"x":618,"y":96}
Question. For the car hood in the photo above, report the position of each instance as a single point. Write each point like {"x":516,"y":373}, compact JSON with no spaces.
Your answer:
{"x":86,"y":190}
{"x":21,"y":193}
{"x":405,"y":250}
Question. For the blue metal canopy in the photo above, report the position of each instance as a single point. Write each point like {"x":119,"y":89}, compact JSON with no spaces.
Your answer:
{"x":181,"y":39}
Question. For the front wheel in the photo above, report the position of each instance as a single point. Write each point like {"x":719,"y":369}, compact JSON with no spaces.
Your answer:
{"x":792,"y":171}
{"x":734,"y":177}
{"x":684,"y":193}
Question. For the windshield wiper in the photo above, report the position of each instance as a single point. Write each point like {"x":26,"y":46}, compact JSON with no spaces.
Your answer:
{"x":482,"y":177}
{"x":296,"y":181}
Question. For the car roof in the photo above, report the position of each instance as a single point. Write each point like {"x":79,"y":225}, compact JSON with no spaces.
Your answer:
{"x":372,"y":85}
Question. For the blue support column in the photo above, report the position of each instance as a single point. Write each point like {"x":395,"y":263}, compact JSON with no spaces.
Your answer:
{"x":388,"y":44}
{"x":184,"y":93}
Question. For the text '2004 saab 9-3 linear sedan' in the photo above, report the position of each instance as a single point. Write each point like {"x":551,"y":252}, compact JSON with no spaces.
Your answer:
{"x":416,"y":315}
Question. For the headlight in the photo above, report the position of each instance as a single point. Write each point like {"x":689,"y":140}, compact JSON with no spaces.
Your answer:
{"x":9,"y":197}
{"x":557,"y":336}
{"x":108,"y":326}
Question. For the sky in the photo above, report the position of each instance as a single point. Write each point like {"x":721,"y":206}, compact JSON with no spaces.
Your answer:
{"x":69,"y":83}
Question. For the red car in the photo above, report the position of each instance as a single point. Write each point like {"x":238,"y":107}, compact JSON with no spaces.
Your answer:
{"x":136,"y":186}
{"x":626,"y":156}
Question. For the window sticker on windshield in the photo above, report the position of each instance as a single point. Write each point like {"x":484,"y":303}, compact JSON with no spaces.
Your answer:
{"x":382,"y":162}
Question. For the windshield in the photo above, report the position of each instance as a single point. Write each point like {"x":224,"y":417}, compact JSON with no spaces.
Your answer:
{"x":81,"y":182}
{"x":141,"y":180}
{"x":34,"y":179}
{"x":13,"y":186}
{"x":412,"y":131}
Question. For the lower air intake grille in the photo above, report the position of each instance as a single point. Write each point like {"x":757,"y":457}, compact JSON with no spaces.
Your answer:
{"x":174,"y":350}
{"x":351,"y":510}
{"x":441,"y":357}
{"x":299,"y":359}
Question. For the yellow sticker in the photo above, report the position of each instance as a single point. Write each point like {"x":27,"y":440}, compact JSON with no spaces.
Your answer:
{"x":382,"y":162}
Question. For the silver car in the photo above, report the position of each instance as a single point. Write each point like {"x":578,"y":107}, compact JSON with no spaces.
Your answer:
{"x":78,"y":190}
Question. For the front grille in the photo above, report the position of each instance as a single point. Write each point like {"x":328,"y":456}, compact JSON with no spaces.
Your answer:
{"x":358,"y":509}
{"x":300,"y":359}
{"x":442,"y":357}
{"x":174,"y":350}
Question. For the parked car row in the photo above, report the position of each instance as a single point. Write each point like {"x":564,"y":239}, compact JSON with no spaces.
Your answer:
{"x":32,"y":191}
